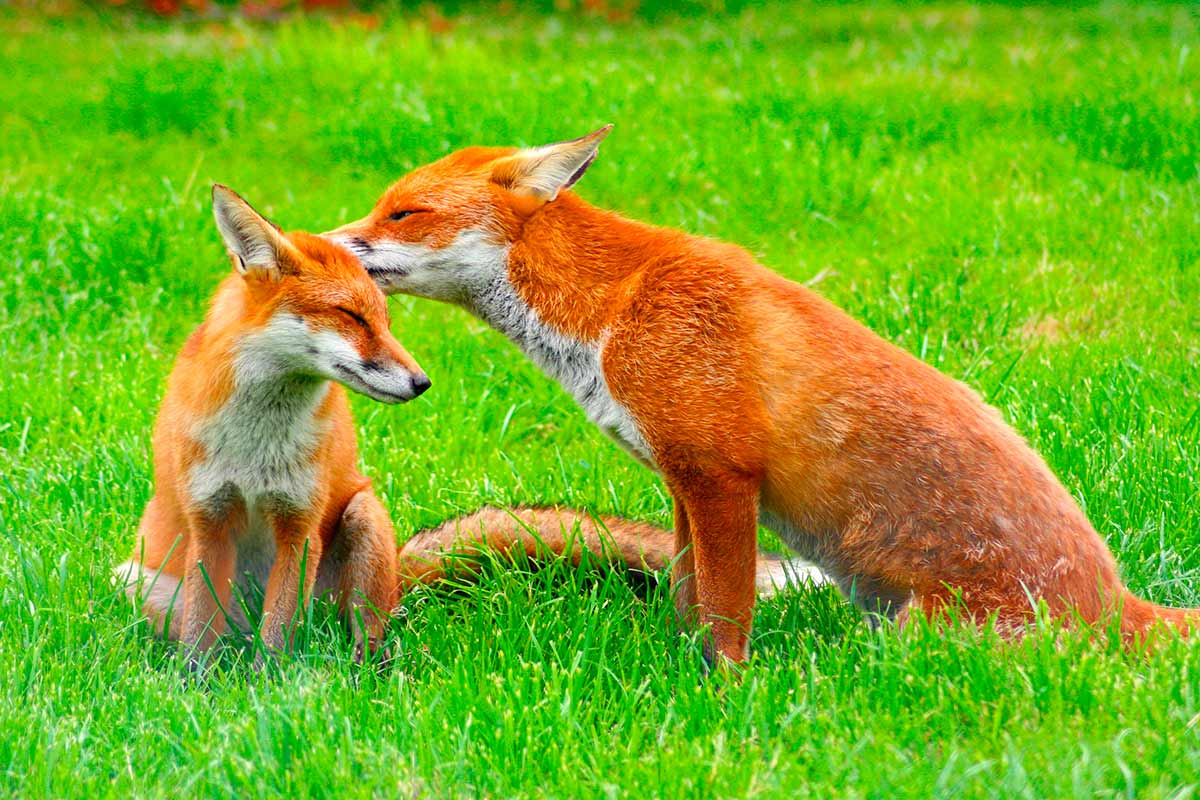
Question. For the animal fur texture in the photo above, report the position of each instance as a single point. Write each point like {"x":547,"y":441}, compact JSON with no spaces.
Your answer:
{"x":755,"y":399}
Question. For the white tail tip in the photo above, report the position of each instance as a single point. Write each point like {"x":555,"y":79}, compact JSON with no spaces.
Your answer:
{"x":160,"y":593}
{"x":775,"y":573}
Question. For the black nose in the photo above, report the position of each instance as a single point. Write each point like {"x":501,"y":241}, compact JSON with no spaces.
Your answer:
{"x":420,"y":384}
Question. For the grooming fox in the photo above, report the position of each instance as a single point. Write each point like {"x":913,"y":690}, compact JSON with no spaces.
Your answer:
{"x":754,"y":398}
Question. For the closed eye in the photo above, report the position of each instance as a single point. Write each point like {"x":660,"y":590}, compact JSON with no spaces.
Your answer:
{"x":396,"y":216}
{"x":354,"y":317}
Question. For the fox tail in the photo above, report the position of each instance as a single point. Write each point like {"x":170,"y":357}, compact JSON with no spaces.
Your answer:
{"x":1141,"y":618}
{"x":565,"y":533}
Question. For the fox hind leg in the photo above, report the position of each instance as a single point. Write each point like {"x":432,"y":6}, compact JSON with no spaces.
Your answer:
{"x":153,"y":577}
{"x":1010,"y":616}
{"x":159,"y":592}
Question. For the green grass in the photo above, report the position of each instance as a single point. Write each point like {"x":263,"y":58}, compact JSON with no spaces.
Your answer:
{"x":1011,"y":193}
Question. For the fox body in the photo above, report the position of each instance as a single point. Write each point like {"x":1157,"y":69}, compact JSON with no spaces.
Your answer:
{"x":756,"y":400}
{"x":256,"y":480}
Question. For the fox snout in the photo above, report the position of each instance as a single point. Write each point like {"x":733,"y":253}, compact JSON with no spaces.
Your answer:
{"x":394,"y":266}
{"x":394,"y":376}
{"x":387,"y":383}
{"x":418,"y":380}
{"x":386,"y":373}
{"x":351,"y":237}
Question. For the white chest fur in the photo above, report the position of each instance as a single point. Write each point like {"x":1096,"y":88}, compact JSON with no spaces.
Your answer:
{"x":260,"y":444}
{"x":473,"y":271}
{"x":575,"y":364}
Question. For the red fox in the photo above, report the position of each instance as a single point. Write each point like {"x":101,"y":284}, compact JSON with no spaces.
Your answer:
{"x":755,"y":399}
{"x":256,"y":482}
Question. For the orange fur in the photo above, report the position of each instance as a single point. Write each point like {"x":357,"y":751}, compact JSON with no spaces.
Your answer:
{"x":428,"y":555}
{"x":255,"y":456}
{"x":755,"y":399}
{"x":536,"y":533}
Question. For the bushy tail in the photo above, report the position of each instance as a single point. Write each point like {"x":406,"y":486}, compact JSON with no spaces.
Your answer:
{"x":563,"y":532}
{"x":157,"y":590}
{"x":1140,"y":619}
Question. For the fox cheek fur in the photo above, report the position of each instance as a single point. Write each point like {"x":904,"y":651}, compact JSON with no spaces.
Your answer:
{"x":380,"y":374}
{"x":475,"y":258}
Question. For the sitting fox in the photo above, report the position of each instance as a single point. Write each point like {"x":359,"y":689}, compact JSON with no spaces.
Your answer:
{"x":755,"y":399}
{"x":256,"y":480}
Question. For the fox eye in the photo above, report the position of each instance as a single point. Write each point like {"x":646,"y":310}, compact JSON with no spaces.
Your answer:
{"x":396,"y":216}
{"x":354,"y":317}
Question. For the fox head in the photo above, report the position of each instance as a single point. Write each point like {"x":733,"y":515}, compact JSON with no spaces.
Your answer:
{"x":443,"y":231}
{"x":313,"y":309}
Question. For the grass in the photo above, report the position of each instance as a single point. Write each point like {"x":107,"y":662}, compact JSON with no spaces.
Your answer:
{"x":1012,"y":193}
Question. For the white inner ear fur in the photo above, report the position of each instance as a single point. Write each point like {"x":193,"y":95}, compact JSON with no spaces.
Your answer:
{"x":247,"y":235}
{"x":546,"y":171}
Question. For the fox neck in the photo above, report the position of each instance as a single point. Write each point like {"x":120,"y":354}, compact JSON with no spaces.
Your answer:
{"x":555,"y":293}
{"x":259,"y":421}
{"x":570,"y":267}
{"x":262,"y":443}
{"x":266,"y":378}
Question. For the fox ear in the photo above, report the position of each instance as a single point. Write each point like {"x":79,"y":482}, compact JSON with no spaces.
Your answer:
{"x":255,"y":244}
{"x":543,"y":172}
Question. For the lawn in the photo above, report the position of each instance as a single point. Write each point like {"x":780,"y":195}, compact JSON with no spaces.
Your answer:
{"x":1013,"y":194}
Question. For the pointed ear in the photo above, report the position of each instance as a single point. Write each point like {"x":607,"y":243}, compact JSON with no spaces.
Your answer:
{"x":255,"y":244}
{"x":543,"y":172}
